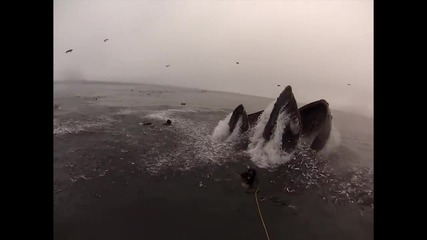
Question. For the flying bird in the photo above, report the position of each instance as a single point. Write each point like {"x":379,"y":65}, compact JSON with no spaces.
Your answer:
{"x":69,"y":50}
{"x":278,"y":85}
{"x":237,"y":62}
{"x":106,"y":39}
{"x":167,"y":65}
{"x":348,"y":84}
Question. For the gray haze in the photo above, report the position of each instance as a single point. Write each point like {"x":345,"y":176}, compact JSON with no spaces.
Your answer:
{"x":317,"y":47}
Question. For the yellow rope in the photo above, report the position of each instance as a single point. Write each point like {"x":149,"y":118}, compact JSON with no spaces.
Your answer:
{"x":260,"y":214}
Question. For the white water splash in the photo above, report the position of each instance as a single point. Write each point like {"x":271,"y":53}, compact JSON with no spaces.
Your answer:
{"x":222,"y":130}
{"x":270,"y":154}
{"x":169,"y":113}
{"x":76,"y":126}
{"x":125,"y":112}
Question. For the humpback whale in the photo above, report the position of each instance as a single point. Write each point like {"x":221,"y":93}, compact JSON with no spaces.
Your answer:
{"x":310,"y":124}
{"x":238,"y":112}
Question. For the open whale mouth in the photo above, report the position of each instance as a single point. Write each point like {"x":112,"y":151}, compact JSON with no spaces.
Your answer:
{"x":283,"y":125}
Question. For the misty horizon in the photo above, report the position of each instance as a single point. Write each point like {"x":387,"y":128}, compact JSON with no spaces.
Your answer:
{"x":317,"y":47}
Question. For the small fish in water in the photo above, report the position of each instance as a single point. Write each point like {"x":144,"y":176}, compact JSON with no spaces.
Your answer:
{"x":292,"y":207}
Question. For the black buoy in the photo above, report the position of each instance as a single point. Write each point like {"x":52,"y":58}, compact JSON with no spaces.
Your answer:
{"x":168,"y":122}
{"x":248,"y":177}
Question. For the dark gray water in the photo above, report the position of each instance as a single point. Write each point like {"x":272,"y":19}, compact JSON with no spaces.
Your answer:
{"x":115,"y":177}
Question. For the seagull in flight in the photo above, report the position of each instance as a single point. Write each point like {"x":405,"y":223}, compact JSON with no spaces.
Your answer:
{"x":69,"y":50}
{"x":106,"y":39}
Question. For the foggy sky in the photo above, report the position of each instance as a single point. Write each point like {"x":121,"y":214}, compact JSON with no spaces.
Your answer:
{"x":316,"y":46}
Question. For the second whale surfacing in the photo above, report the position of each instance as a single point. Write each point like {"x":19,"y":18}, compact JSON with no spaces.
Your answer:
{"x":311,"y":123}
